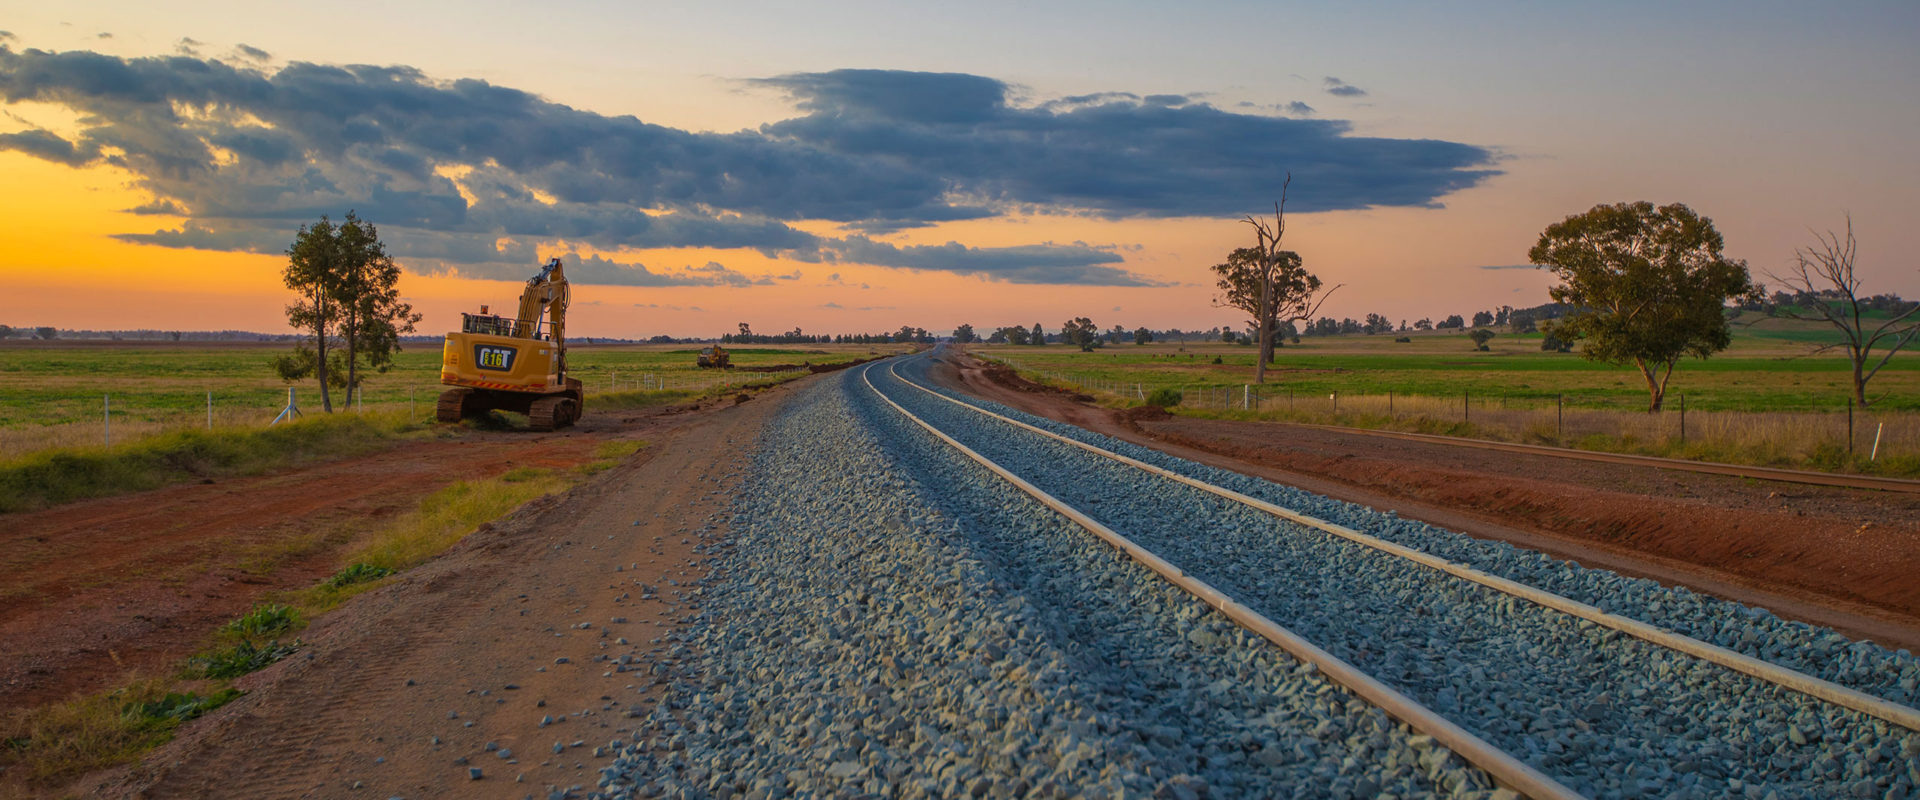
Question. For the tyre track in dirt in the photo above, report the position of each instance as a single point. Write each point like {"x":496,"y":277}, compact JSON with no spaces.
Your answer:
{"x":1834,"y":557}
{"x":534,"y":635}
{"x":133,"y":583}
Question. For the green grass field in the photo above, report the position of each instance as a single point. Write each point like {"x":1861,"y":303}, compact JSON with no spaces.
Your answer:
{"x":54,"y":394}
{"x":1767,"y":369}
{"x":1767,"y":400}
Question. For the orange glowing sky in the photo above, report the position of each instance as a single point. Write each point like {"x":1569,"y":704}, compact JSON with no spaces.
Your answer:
{"x":1769,"y":120}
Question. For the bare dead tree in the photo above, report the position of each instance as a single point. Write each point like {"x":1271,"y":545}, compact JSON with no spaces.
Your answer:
{"x":1288,"y":293}
{"x":1823,"y":277}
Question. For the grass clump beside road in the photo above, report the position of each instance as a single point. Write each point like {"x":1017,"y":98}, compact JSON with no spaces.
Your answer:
{"x":443,"y":519}
{"x":52,"y":477}
{"x":96,"y":731}
{"x":61,"y":741}
{"x":269,"y":620}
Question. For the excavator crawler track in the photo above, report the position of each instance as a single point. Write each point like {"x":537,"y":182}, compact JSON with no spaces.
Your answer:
{"x":548,"y":413}
{"x":453,"y":405}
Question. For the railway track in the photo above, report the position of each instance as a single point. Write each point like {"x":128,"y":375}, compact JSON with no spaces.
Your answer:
{"x":890,"y":616}
{"x":1855,"y":724}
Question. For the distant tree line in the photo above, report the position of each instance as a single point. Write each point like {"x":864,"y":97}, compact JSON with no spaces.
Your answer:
{"x":141,"y":335}
{"x":907,"y":333}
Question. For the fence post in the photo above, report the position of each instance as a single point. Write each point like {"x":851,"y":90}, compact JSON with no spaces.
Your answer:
{"x":209,"y":409}
{"x":1876,"y":442}
{"x":106,"y":418}
{"x":1683,"y":417}
{"x":1560,"y":418}
{"x":1849,"y":425}
{"x":1466,"y":409}
{"x":1336,"y":401}
{"x":1390,"y":414}
{"x":1246,"y":396}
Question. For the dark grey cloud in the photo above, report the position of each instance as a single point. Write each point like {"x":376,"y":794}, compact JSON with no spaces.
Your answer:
{"x":7,"y":36}
{"x":831,"y":304}
{"x":248,"y":154}
{"x":1113,"y":155}
{"x":1297,"y":107}
{"x":597,"y":270}
{"x":167,"y":207}
{"x":1046,"y":263}
{"x":1339,"y":88}
{"x":49,"y":146}
{"x":252,"y":53}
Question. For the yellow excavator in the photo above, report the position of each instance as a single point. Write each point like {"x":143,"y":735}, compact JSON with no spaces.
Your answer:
{"x":514,"y":364}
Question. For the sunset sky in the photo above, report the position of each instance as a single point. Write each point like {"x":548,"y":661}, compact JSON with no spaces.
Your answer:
{"x":856,"y":166}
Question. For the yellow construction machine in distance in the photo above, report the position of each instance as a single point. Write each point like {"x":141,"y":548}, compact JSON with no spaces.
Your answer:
{"x":514,"y":363}
{"x":714,"y":357}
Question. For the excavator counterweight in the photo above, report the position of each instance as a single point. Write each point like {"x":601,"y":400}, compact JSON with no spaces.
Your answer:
{"x":514,"y":364}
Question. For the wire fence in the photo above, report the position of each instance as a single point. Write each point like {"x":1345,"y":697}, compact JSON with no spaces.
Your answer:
{"x":684,"y":382}
{"x":121,"y":418}
{"x":1572,"y":420}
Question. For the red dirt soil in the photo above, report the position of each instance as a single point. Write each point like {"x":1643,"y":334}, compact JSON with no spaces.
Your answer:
{"x":1837,"y":557}
{"x":92,"y":591}
{"x":521,"y":651}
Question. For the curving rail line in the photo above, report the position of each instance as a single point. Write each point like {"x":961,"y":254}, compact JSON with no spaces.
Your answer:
{"x":1503,"y":767}
{"x":1773,"y":673}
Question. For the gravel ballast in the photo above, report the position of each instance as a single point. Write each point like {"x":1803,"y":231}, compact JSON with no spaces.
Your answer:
{"x":889,"y":619}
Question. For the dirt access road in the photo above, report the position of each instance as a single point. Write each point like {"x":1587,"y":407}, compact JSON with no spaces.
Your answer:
{"x":1835,"y":557}
{"x":100,"y":591}
{"x":521,"y":653}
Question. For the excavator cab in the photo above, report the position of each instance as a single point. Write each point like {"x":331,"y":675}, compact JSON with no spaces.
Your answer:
{"x":514,"y":363}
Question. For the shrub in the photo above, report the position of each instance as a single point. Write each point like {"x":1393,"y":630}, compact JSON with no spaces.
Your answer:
{"x":1165,"y":397}
{"x":175,"y":708}
{"x":239,"y":659}
{"x":263,"y":621}
{"x":1402,"y":339}
{"x":357,"y":573}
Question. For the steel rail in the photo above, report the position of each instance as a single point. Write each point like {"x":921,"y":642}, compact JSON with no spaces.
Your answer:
{"x":1809,"y":685}
{"x":1507,"y":770}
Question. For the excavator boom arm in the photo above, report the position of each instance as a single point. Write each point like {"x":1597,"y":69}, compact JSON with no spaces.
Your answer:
{"x":546,"y":296}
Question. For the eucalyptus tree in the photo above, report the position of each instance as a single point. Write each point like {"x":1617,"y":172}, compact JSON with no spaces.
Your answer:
{"x":1646,"y":286}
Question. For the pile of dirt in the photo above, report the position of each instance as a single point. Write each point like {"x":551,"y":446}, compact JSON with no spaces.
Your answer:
{"x":771,"y":368}
{"x":1139,"y":414}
